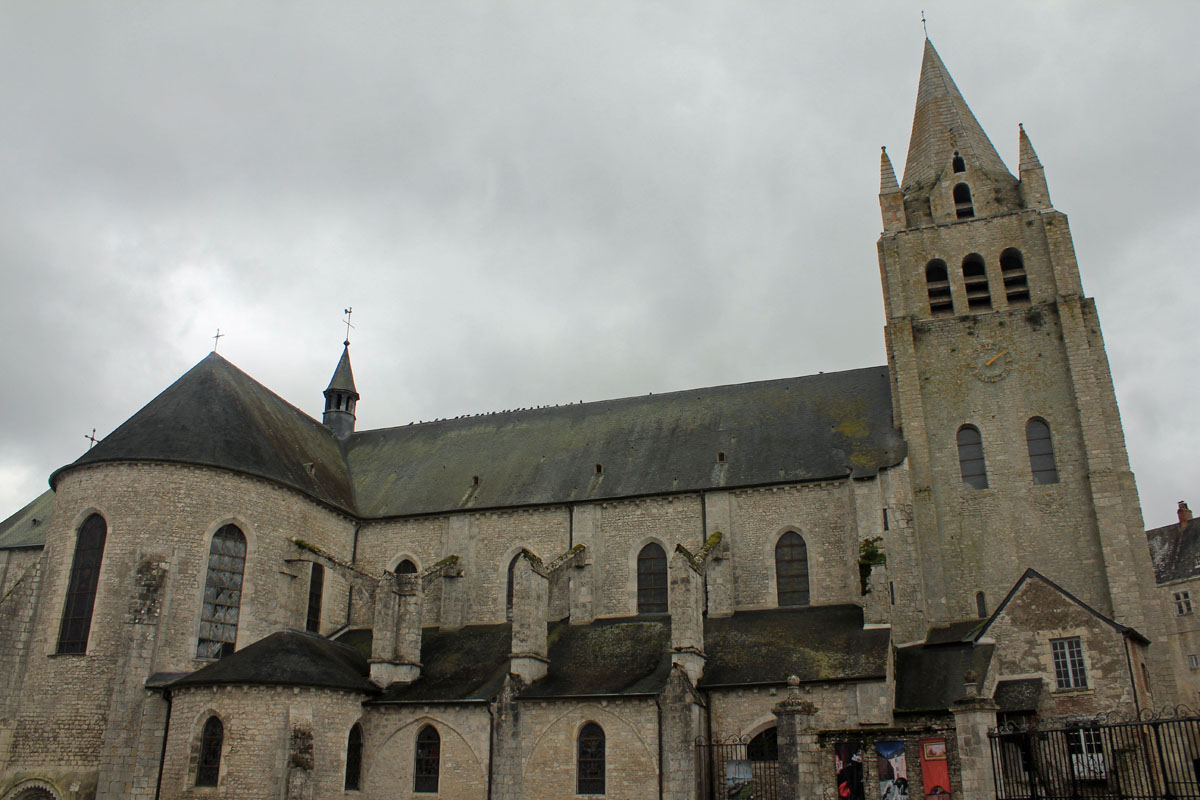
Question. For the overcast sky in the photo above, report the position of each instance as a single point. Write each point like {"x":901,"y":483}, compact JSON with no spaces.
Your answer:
{"x":535,"y":203}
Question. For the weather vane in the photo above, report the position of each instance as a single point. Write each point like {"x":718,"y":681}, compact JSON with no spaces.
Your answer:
{"x":348,"y":312}
{"x":217,"y":339}
{"x":923,"y":25}
{"x":91,"y":438}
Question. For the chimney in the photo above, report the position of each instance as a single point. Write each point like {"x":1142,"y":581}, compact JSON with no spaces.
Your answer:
{"x":1185,"y":513}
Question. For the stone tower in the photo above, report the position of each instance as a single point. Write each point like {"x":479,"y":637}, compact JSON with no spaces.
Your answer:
{"x":341,"y":397}
{"x":1001,"y":383}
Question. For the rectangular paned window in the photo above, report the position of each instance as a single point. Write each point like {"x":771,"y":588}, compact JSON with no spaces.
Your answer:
{"x":1183,"y":603}
{"x":1068,"y":663}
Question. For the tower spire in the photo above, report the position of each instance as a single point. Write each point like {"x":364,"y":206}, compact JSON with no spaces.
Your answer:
{"x":944,"y":126}
{"x":891,"y":201}
{"x":341,"y":397}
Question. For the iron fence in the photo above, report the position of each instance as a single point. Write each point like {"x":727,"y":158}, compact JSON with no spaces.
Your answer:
{"x":738,"y":768}
{"x":1145,"y":757}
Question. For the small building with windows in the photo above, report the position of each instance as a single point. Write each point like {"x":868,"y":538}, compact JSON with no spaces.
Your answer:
{"x":806,"y":586}
{"x":1175,"y":550}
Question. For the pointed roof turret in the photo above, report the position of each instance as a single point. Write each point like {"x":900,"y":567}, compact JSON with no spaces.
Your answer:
{"x":343,"y":376}
{"x":341,"y":397}
{"x":943,"y":125}
{"x":887,"y":175}
{"x":1029,"y":159}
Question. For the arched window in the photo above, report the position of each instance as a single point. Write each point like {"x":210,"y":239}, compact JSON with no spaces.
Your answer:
{"x":406,"y":567}
{"x":222,"y":593}
{"x":354,"y":749}
{"x":652,"y":580}
{"x":970,"y":458}
{"x":508,"y":595}
{"x":1041,"y":451}
{"x":791,"y":570}
{"x":76,"y":621}
{"x":937,"y":281}
{"x":962,"y":201}
{"x":427,"y":762}
{"x":958,"y":165}
{"x":980,"y":605}
{"x":979,"y":296}
{"x":1016,"y":283}
{"x":208,"y":766}
{"x":316,"y":589}
{"x":589,"y":767}
{"x":764,"y":746}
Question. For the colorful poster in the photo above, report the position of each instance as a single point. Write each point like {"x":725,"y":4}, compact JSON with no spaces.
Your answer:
{"x":893,"y":770}
{"x":935,"y":770}
{"x":847,"y":761}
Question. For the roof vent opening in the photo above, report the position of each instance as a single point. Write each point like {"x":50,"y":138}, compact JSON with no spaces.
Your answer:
{"x":475,"y":480}
{"x":599,"y":469}
{"x":721,"y":457}
{"x":958,"y":165}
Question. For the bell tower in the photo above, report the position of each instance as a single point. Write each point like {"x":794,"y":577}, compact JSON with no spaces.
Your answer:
{"x":341,"y":397}
{"x":1000,"y":380}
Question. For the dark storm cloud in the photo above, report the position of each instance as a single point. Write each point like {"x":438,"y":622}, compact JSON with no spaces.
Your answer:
{"x":537,"y":203}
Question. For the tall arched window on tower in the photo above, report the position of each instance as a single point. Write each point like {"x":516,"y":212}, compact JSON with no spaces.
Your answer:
{"x":791,"y":570}
{"x":590,"y":756}
{"x":208,"y":765}
{"x":652,"y":580}
{"x":76,"y":622}
{"x":975,"y":280}
{"x":1041,"y":451}
{"x":222,"y":593}
{"x":316,"y":590}
{"x":963,"y":207}
{"x":958,"y":165}
{"x":937,"y":281}
{"x":1016,"y":283}
{"x":354,"y":752}
{"x":427,"y":761}
{"x":970,"y":458}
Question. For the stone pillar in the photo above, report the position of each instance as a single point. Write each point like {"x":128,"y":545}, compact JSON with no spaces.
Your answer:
{"x":679,"y":716}
{"x":973,"y":715}
{"x":719,"y":577}
{"x":454,"y":610}
{"x":799,"y":757}
{"x":507,"y":762}
{"x":407,"y":652}
{"x":583,"y":593}
{"x":396,"y":632}
{"x":300,"y":754}
{"x":686,"y":602}
{"x":877,"y":604}
{"x":529,"y":657}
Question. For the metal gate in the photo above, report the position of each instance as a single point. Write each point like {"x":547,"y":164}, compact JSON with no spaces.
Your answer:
{"x":1141,"y":758}
{"x":738,"y":768}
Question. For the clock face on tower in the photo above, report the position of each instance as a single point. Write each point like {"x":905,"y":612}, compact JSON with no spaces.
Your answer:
{"x":992,"y":362}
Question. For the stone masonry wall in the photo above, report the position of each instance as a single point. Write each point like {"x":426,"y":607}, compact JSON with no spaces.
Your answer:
{"x":258,"y":722}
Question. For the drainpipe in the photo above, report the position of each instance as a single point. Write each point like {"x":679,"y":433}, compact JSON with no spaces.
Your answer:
{"x":1137,"y":706}
{"x":162,"y":757}
{"x":491,"y":749}
{"x":658,"y":705}
{"x":353,"y":560}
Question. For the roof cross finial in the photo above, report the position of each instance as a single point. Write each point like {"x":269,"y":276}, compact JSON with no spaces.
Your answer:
{"x":217,"y":339}
{"x":91,"y":438}
{"x":347,"y":312}
{"x":923,"y":25}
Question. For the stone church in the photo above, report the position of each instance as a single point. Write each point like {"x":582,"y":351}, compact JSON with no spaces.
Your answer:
{"x":793,"y":587}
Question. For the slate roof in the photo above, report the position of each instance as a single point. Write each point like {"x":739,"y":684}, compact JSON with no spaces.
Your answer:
{"x":930,"y":677}
{"x":818,"y":643}
{"x":797,"y":429}
{"x":288,"y":658}
{"x":953,"y":632}
{"x":820,"y":426}
{"x":343,"y":375}
{"x":216,"y":415}
{"x":608,"y":657}
{"x":1175,"y":551}
{"x":468,"y":664}
{"x":1018,"y":695}
{"x":27,"y":527}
